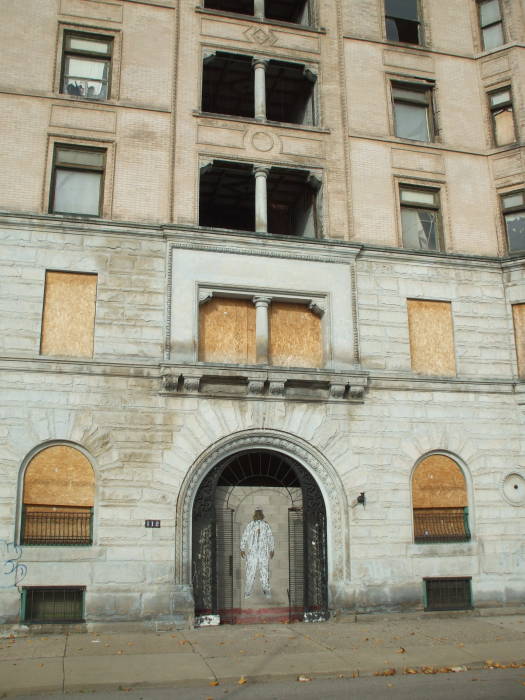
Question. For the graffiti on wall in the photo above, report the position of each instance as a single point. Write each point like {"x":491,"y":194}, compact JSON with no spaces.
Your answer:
{"x":13,"y":572}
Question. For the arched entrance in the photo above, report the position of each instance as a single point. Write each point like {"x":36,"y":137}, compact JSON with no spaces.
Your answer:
{"x":284,"y":494}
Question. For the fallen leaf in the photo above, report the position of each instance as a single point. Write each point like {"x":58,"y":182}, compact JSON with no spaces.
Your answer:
{"x":131,"y":644}
{"x":120,"y":651}
{"x":460,"y":644}
{"x":213,"y":683}
{"x":303,"y":679}
{"x":410,"y":671}
{"x":386,"y":672}
{"x":428,"y":669}
{"x":401,"y":650}
{"x":242,"y":680}
{"x":355,"y":674}
{"x":41,"y":665}
{"x":174,"y":636}
{"x":390,"y":685}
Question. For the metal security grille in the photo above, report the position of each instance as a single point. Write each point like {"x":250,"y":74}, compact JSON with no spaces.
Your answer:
{"x":224,"y":560}
{"x":296,"y":562}
{"x":448,"y":593}
{"x":441,"y":525}
{"x":63,"y":526}
{"x":53,"y":605}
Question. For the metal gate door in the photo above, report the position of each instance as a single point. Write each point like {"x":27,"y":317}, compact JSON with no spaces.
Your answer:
{"x":296,"y":563}
{"x":224,"y":563}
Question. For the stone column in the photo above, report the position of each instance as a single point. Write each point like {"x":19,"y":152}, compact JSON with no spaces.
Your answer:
{"x":258,"y":9}
{"x":259,"y":87}
{"x":261,"y":198}
{"x":262,"y":334}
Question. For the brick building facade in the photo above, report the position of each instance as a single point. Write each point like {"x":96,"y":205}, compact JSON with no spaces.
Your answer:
{"x":252,"y":245}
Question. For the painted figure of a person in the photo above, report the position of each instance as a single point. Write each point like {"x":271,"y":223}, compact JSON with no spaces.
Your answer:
{"x":257,"y":547}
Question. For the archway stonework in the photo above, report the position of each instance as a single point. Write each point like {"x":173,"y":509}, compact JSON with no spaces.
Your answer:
{"x":309,"y":457}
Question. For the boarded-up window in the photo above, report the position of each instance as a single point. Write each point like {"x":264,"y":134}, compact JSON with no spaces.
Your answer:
{"x":68,"y":318}
{"x":431,"y":337}
{"x":438,"y":482}
{"x":518,"y":314}
{"x":227,"y":331}
{"x":295,"y":336}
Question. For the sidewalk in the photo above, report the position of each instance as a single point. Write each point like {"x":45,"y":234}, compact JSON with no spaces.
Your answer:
{"x":93,"y":661}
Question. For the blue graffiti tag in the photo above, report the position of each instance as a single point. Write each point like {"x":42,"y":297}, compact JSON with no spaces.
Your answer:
{"x":11,"y":564}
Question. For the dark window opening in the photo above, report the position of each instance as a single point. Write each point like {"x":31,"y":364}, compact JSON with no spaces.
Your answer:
{"x":53,"y":604}
{"x":296,"y":11}
{"x":57,"y":525}
{"x":292,"y":207}
{"x":241,"y":7}
{"x":227,"y":85}
{"x":448,"y":593}
{"x":289,"y":93}
{"x":402,"y":21}
{"x":227,"y":196}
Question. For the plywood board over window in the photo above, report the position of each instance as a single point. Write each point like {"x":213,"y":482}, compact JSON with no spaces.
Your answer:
{"x":431,"y":337}
{"x":295,"y":336}
{"x":518,"y":314}
{"x":438,"y":482}
{"x":59,"y":476}
{"x":227,"y":331}
{"x":68,"y":319}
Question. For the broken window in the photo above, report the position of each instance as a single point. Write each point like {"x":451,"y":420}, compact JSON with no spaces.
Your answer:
{"x":289,"y":93}
{"x":513,"y":205}
{"x":227,"y":85}
{"x":413,"y":117}
{"x":76,"y":183}
{"x":86,"y":65}
{"x":294,"y":11}
{"x":491,"y":24}
{"x":420,"y":220}
{"x":502,"y":113}
{"x":402,"y":21}
{"x":282,"y":201}
{"x":256,"y":87}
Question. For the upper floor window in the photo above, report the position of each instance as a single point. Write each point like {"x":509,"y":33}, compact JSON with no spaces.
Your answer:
{"x":513,"y":205}
{"x":403,"y":21}
{"x":76,"y":181}
{"x":243,"y":86}
{"x":413,"y":115}
{"x":491,"y":24}
{"x":58,"y":498}
{"x":86,"y":65}
{"x":502,"y":114}
{"x":259,"y":198}
{"x":294,"y":11}
{"x":420,"y":218}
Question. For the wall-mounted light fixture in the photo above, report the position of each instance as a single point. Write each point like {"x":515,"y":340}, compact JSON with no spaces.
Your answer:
{"x":362,"y":498}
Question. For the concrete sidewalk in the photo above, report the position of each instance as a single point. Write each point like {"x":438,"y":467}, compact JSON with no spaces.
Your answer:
{"x":93,"y":661}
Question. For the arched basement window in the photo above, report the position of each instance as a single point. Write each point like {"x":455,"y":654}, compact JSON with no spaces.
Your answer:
{"x":58,"y":498}
{"x":439,"y":501}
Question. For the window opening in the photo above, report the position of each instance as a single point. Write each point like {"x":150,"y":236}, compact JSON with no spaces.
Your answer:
{"x":491,"y":24}
{"x":294,"y":11}
{"x":413,"y":111}
{"x":513,"y":205}
{"x":227,"y":196}
{"x":227,"y":85}
{"x":77,"y":177}
{"x":58,"y":498}
{"x":439,"y":498}
{"x":291,"y":203}
{"x":53,"y":604}
{"x":86,"y":65}
{"x":448,"y":593}
{"x":289,"y":93}
{"x":502,"y":113}
{"x":402,"y":21}
{"x":420,"y":220}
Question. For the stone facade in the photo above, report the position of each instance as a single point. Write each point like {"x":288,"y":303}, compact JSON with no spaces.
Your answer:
{"x":149,"y":416}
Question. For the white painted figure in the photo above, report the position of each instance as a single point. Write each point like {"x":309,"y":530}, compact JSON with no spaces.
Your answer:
{"x":257,"y":547}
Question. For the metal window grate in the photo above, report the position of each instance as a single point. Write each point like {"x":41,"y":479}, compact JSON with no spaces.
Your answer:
{"x":53,"y":604}
{"x":448,"y":593}
{"x":62,"y":526}
{"x":441,"y":525}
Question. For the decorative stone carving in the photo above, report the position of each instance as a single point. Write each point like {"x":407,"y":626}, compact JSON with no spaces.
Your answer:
{"x":191,"y":384}
{"x":337,"y":391}
{"x":276,"y":388}
{"x":317,"y":308}
{"x":356,"y":391}
{"x":262,"y":141}
{"x":205,"y":295}
{"x":255,"y":387}
{"x":169,"y":382}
